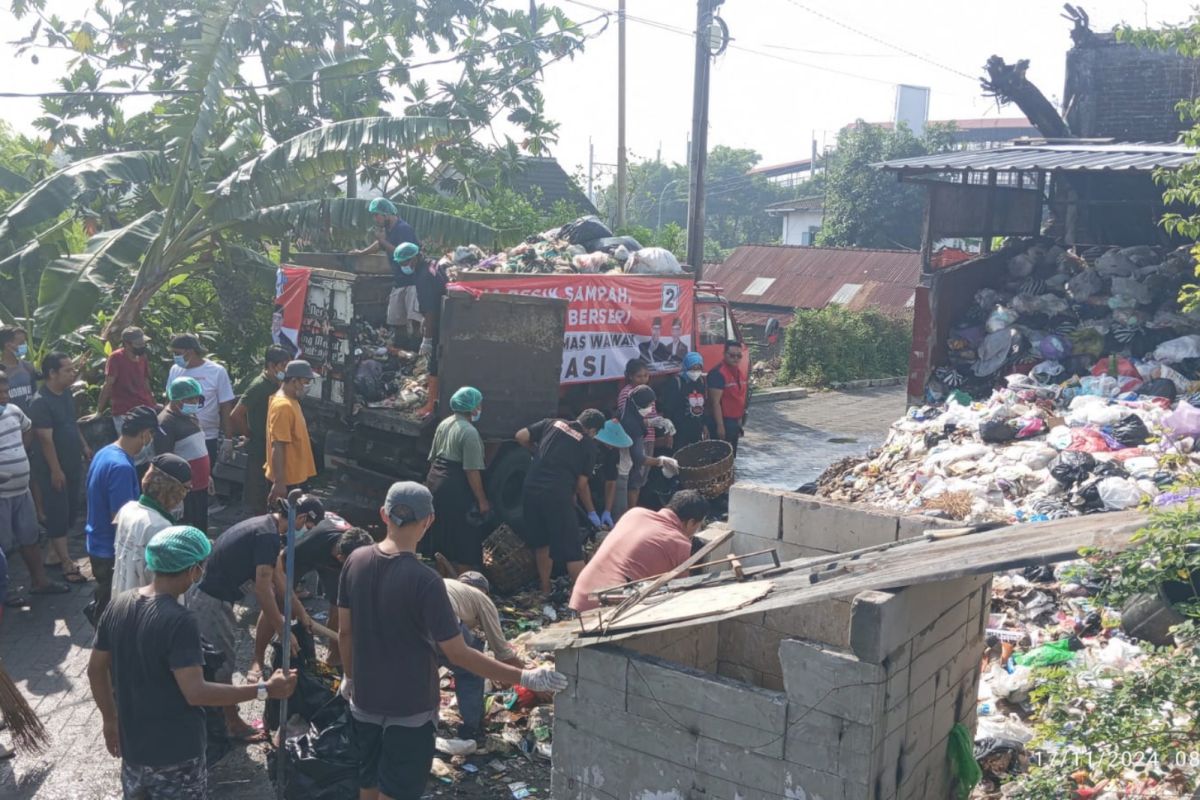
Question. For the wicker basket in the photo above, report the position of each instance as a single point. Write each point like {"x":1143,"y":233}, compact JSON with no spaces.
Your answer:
{"x":507,"y":561}
{"x":706,"y":467}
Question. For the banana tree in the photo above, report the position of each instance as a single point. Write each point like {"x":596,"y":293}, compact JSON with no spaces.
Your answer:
{"x":185,"y":209}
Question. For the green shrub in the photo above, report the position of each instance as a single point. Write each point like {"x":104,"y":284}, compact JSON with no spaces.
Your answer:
{"x":832,"y":345}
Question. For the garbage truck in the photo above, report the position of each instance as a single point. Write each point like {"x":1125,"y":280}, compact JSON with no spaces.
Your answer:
{"x":536,"y":345}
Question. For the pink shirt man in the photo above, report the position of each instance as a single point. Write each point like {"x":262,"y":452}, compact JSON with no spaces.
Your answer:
{"x":643,"y":544}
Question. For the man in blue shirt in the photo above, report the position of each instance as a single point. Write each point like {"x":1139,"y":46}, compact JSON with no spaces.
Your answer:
{"x":112,"y":481}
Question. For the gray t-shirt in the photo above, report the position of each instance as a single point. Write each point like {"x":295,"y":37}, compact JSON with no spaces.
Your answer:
{"x":400,"y":611}
{"x":14,"y":462}
{"x":22,"y":382}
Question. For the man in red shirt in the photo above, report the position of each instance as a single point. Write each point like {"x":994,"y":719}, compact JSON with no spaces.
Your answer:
{"x":126,"y":377}
{"x":644,"y":544}
{"x":727,"y":396}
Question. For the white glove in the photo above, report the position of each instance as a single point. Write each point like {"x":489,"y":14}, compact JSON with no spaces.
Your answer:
{"x":226,"y":450}
{"x":543,"y":679}
{"x":346,"y":689}
{"x":670,"y":466}
{"x":426,"y":348}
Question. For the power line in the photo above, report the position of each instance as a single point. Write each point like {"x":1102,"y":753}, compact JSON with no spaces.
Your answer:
{"x":884,"y":42}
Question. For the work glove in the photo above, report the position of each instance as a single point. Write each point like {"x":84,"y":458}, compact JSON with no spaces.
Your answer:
{"x":346,"y":689}
{"x":426,"y":348}
{"x":226,"y":450}
{"x":663,"y":424}
{"x":594,"y":518}
{"x":606,"y":520}
{"x":670,"y":466}
{"x":543,"y":679}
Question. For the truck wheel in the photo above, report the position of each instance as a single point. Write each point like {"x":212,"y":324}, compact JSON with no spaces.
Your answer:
{"x":505,"y":484}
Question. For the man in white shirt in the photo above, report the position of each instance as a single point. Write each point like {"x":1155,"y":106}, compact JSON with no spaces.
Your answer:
{"x":214,"y":416}
{"x":164,"y":487}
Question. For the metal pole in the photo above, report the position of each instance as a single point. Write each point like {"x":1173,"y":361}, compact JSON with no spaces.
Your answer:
{"x":622,"y":167}
{"x":660,"y":201}
{"x":285,"y":642}
{"x":699,"y":151}
{"x":591,"y":163}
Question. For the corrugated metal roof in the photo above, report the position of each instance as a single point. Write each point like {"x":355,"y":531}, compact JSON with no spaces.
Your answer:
{"x":1056,"y":156}
{"x":813,"y":203}
{"x":809,"y":277}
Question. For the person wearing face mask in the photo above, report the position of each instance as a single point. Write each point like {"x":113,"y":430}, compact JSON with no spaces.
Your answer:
{"x":456,"y":480}
{"x":111,"y":483}
{"x":684,"y":399}
{"x":218,"y":393}
{"x":431,"y":285}
{"x":245,"y":555}
{"x":563,"y":462}
{"x":289,"y":450}
{"x":182,"y":435}
{"x":126,"y":377}
{"x":402,"y":309}
{"x":164,"y":486}
{"x":22,"y":377}
{"x":249,"y":419}
{"x":639,"y":408}
{"x":146,"y":673}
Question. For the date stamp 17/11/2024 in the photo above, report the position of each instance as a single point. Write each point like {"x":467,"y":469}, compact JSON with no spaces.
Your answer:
{"x":1104,"y":759}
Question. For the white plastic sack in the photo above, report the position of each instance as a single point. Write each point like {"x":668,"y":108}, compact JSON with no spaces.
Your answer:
{"x":951,"y":455}
{"x":1176,"y":350}
{"x":1141,"y":465}
{"x":1013,"y":687}
{"x":1118,"y":494}
{"x":1184,"y":420}
{"x":653,"y":261}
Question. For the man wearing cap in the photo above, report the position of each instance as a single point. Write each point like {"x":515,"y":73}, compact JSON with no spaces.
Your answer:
{"x":249,"y":418}
{"x":164,"y":486}
{"x":111,"y":483}
{"x":217,"y":392}
{"x":403,"y":314}
{"x":391,"y":659}
{"x":638,"y":409}
{"x":181,"y":434}
{"x":147,"y":676}
{"x":431,"y":283}
{"x":289,"y":450}
{"x":563,"y":461}
{"x":456,"y":479}
{"x":390,"y":230}
{"x":244,"y":559}
{"x":476,"y":613}
{"x":126,"y":377}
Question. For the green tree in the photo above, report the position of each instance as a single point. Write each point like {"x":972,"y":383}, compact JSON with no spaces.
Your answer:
{"x":865,"y":207}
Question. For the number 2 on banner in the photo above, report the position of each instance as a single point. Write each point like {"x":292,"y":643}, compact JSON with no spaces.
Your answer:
{"x":670,"y":298}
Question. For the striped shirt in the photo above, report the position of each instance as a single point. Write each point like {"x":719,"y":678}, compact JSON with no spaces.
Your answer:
{"x":14,"y":462}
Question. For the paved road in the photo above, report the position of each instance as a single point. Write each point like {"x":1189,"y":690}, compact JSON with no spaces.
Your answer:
{"x":45,"y":650}
{"x":791,"y":442}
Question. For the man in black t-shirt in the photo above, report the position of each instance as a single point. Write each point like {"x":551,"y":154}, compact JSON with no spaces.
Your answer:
{"x":146,"y":675}
{"x":395,"y":617}
{"x":563,"y":460}
{"x":244,"y":561}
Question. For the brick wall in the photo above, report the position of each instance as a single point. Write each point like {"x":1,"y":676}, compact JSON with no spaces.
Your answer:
{"x":1127,"y":92}
{"x":842,"y":699}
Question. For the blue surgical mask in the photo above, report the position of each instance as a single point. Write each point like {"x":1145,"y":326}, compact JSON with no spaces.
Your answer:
{"x":190,"y":409}
{"x":179,"y":362}
{"x":476,"y":414}
{"x":407,"y":270}
{"x":279,"y":376}
{"x":22,"y":350}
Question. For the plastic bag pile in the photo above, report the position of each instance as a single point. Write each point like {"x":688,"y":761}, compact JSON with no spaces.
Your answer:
{"x":1094,"y":408}
{"x":583,"y":246}
{"x":385,"y":377}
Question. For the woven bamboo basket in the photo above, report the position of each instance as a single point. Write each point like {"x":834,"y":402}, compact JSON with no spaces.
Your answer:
{"x":706,"y":467}
{"x":507,"y":561}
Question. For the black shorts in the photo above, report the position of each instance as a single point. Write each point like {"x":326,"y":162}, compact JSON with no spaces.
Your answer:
{"x":550,"y":521}
{"x":395,"y":759}
{"x":61,"y":506}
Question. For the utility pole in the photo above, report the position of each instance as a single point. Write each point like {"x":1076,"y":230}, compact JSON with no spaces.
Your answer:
{"x":699,"y":144}
{"x":591,"y":167}
{"x":622,"y":167}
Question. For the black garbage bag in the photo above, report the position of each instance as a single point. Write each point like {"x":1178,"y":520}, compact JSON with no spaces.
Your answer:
{"x":999,"y":756}
{"x":1072,"y":467}
{"x":1130,"y":431}
{"x":1109,"y":469}
{"x":323,"y":764}
{"x":996,"y":430}
{"x":1159,"y":387}
{"x":214,"y":717}
{"x":609,"y":244}
{"x":584,"y":229}
{"x":313,"y":690}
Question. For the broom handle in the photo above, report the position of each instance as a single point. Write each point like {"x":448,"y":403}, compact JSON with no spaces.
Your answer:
{"x":286,"y":643}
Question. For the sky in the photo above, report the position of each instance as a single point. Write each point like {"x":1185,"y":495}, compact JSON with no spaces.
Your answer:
{"x":795,"y":69}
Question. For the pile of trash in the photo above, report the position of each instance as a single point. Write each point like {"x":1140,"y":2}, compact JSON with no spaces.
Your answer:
{"x":586,"y":245}
{"x":1068,"y":393}
{"x":385,"y":376}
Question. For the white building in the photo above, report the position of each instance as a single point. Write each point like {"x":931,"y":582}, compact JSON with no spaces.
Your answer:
{"x":801,"y":219}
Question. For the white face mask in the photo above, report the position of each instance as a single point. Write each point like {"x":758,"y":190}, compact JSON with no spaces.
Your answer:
{"x":647,"y":411}
{"x":695,"y":375}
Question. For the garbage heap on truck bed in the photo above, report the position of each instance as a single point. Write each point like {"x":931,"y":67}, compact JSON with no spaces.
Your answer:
{"x":1070,"y":389}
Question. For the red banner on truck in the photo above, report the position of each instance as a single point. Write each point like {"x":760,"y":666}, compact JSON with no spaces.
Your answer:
{"x":611,"y":319}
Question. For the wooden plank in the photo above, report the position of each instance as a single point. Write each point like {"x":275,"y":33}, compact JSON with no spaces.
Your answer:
{"x":690,"y":605}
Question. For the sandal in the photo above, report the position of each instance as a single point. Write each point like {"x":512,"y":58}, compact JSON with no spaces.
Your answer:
{"x":16,"y":601}
{"x":52,"y":588}
{"x":74,"y":576}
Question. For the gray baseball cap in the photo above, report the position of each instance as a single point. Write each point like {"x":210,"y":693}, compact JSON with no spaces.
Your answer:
{"x":298,"y":369}
{"x":407,"y":502}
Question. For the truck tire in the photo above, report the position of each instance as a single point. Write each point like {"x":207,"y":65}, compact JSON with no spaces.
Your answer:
{"x":505,"y":482}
